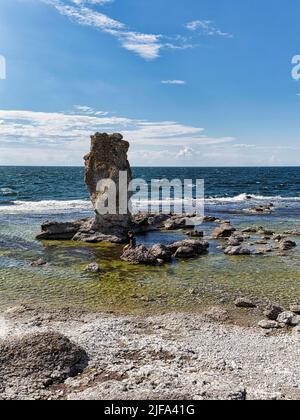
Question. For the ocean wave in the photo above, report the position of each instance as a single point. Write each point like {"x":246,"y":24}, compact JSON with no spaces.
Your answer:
{"x":46,"y":206}
{"x":241,"y":198}
{"x":6,"y":192}
{"x":73,"y":206}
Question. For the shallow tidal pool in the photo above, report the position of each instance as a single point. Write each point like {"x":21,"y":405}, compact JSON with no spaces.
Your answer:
{"x":183,"y":285}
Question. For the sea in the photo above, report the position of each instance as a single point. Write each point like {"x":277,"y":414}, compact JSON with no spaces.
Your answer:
{"x":31,"y":195}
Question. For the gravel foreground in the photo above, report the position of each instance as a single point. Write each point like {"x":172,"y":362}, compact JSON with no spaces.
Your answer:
{"x":172,"y":356}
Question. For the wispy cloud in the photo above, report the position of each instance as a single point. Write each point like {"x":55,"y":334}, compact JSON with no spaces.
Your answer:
{"x":41,"y":138}
{"x":44,"y":128}
{"x":40,"y":134}
{"x":147,"y":46}
{"x":95,"y":2}
{"x":207,"y":27}
{"x":173,"y":82}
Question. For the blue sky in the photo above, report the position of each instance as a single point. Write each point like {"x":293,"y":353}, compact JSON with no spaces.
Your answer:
{"x":188,"y":83}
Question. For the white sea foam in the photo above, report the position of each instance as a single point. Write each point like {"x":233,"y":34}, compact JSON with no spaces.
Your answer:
{"x":45,"y":206}
{"x":241,"y":198}
{"x":7,"y":192}
{"x":75,"y":206}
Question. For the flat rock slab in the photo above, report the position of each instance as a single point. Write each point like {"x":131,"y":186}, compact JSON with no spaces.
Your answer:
{"x":37,"y":361}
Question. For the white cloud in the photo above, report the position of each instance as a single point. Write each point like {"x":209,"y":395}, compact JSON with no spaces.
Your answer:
{"x":64,"y":137}
{"x":41,"y":138}
{"x":173,"y":82}
{"x":99,"y":2}
{"x":147,"y":46}
{"x":207,"y":27}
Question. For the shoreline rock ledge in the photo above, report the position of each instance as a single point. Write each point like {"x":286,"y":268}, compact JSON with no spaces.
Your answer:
{"x":107,"y":158}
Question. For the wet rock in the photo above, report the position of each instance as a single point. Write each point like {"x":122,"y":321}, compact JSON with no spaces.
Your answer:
{"x":199,"y":247}
{"x":235,"y":240}
{"x":262,"y":250}
{"x":92,"y":237}
{"x":295,"y":308}
{"x":292,"y":233}
{"x":143,"y":223}
{"x":289,"y":318}
{"x":250,"y":230}
{"x":244,"y":303}
{"x":139,"y":255}
{"x":268,"y":324}
{"x":150,"y":256}
{"x":161,"y":252}
{"x":57,"y":231}
{"x":261,"y":210}
{"x":237,"y":250}
{"x":185,"y":252}
{"x":38,"y":263}
{"x":211,"y":219}
{"x":92,"y":268}
{"x":176,"y":224}
{"x":286,"y":245}
{"x":196,"y":234}
{"x":272,"y":312}
{"x":266,"y":232}
{"x":224,"y":231}
{"x":38,"y":361}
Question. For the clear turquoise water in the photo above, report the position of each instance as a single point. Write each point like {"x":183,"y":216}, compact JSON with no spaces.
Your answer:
{"x":31,"y":195}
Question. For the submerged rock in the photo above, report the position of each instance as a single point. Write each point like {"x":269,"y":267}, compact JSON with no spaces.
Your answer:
{"x":292,"y":232}
{"x":286,"y":245}
{"x":237,"y":250}
{"x":185,"y":252}
{"x":196,"y":234}
{"x":272,"y":312}
{"x":92,"y":268}
{"x":38,"y":263}
{"x":295,"y":308}
{"x":244,"y":303}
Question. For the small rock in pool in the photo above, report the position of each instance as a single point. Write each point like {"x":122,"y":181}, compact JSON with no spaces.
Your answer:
{"x":268,"y":324}
{"x":289,"y":318}
{"x":92,"y":268}
{"x":295,"y":308}
{"x":272,"y":312}
{"x":38,"y":263}
{"x":244,"y":303}
{"x":237,"y":250}
{"x":286,"y":245}
{"x":224,"y":231}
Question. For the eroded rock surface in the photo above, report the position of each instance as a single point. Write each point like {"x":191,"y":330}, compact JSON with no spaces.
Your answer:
{"x":37,"y":361}
{"x":106,"y":161}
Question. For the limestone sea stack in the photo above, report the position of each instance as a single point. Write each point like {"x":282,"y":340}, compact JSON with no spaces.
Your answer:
{"x":106,"y":161}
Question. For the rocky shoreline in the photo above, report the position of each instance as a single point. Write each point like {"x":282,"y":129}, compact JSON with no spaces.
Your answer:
{"x":74,"y":355}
